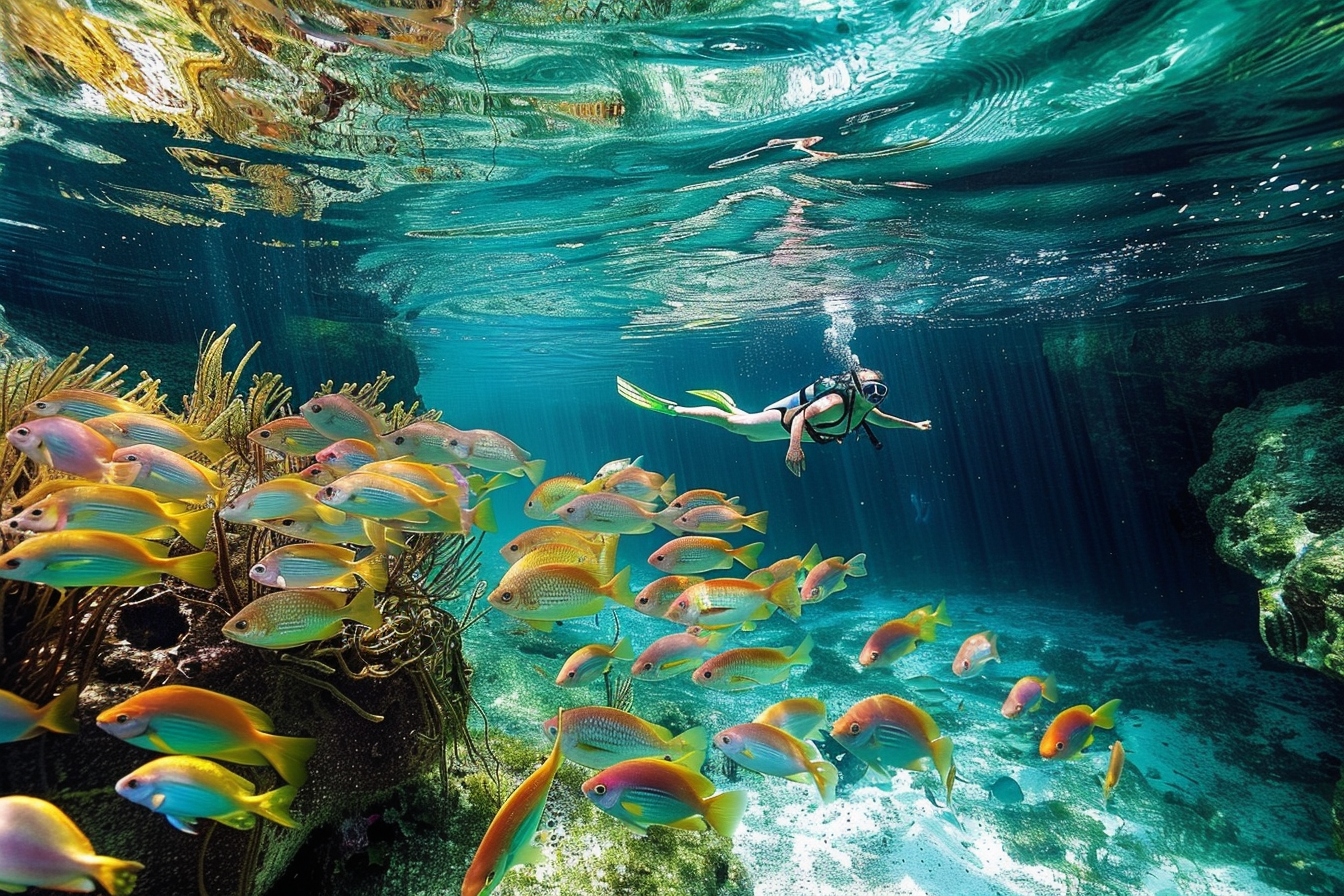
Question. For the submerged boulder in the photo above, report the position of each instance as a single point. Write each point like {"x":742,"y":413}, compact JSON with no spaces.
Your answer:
{"x":1273,"y":491}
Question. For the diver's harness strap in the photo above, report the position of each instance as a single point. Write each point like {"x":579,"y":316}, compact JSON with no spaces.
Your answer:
{"x":847,"y":391}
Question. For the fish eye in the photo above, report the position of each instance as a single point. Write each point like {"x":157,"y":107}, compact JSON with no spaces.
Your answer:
{"x":241,"y":625}
{"x":965,"y":664}
{"x":600,"y":789}
{"x":490,"y":878}
{"x":506,"y":596}
{"x":452,"y":442}
{"x":855,"y":727}
{"x":23,"y":430}
{"x":13,"y":562}
{"x":644,"y":600}
{"x":399,"y":440}
{"x":265,"y":434}
{"x":288,"y":522}
{"x":569,"y":510}
{"x":725,"y":739}
{"x":1059,"y":746}
{"x":259,"y":569}
{"x":316,"y":408}
{"x":648,"y":667}
{"x":874,"y":654}
{"x":35,"y":512}
{"x":571,"y":674}
{"x":40,"y":405}
{"x":329,"y":491}
{"x":122,"y":718}
{"x":133,"y":783}
{"x":553,"y":730}
{"x":707,"y":674}
{"x":659,"y":558}
{"x":132,"y":457}
{"x":514,"y":548}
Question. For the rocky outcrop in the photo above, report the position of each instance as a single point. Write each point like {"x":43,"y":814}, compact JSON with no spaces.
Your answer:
{"x":1273,"y":490}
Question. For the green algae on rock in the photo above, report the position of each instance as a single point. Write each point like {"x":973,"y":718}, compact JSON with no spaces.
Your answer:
{"x":1273,"y":490}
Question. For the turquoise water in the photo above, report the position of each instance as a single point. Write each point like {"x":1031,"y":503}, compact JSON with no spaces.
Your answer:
{"x":1072,"y":235}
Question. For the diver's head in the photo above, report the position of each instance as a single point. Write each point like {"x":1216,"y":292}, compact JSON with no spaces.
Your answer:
{"x":871,"y":385}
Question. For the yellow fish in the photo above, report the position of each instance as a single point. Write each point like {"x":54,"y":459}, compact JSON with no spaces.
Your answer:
{"x":125,"y":429}
{"x":319,"y":566}
{"x":549,"y":592}
{"x":284,"y":619}
{"x":113,"y":508}
{"x":21,"y":719}
{"x":79,"y":558}
{"x":80,"y":404}
{"x":185,"y":789}
{"x":41,"y":847}
{"x":524,"y":544}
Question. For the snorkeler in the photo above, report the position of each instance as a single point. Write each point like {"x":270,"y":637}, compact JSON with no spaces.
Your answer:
{"x":824,"y":411}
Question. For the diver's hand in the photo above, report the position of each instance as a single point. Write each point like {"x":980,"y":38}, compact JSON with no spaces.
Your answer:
{"x":793,"y":459}
{"x":923,"y":424}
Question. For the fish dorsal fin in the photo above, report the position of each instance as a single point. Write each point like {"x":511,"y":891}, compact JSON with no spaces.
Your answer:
{"x":762,"y":577}
{"x":256,"y":717}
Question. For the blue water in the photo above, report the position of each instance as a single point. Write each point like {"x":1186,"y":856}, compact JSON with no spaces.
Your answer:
{"x":1003,"y":206}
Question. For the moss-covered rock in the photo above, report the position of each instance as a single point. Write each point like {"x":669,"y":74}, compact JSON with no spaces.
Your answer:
{"x":1273,"y":490}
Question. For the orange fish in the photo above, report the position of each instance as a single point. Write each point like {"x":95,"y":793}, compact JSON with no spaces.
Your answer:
{"x":655,"y":598}
{"x":524,"y":544}
{"x":691,"y":554}
{"x":743,"y":668}
{"x":587,"y":663}
{"x":721,"y":603}
{"x":975,"y":652}
{"x":828,"y":577}
{"x":719,"y":518}
{"x":1113,"y":770}
{"x":643,"y":792}
{"x":81,"y":404}
{"x":508,"y":841}
{"x":899,"y":637}
{"x":184,"y":720}
{"x":887,"y":732}
{"x":1027,"y":695}
{"x":1071,"y":731}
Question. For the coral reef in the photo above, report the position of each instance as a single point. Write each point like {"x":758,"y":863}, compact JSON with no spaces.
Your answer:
{"x":386,"y":706}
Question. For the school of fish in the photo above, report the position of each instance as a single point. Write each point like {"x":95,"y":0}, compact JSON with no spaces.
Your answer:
{"x":116,"y":486}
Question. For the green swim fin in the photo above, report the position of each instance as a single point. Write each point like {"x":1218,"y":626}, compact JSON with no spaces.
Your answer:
{"x":635,"y":395}
{"x":717,"y":398}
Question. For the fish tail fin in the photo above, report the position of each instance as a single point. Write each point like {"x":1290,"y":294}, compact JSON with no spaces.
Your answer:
{"x":942,"y":758}
{"x":116,"y":876}
{"x":535,"y":469}
{"x":483,"y":516}
{"x":667,"y":519}
{"x":1104,"y":716}
{"x":59,"y":714}
{"x":811,"y":558}
{"x":940,"y":615}
{"x":749,"y":555}
{"x":326,"y":513}
{"x":195,"y":569}
{"x":644,"y":399}
{"x":288,"y":756}
{"x":669,"y":489}
{"x":606,"y":557}
{"x":194,"y":525}
{"x":362,"y":609}
{"x":802,"y":655}
{"x":618,"y":589}
{"x":373,"y":570}
{"x":928,"y":631}
{"x":693,"y":743}
{"x":1050,"y":689}
{"x":858,"y":566}
{"x":784,"y":594}
{"x":723,"y":811}
{"x":757,"y":521}
{"x":120,"y":472}
{"x":480,"y":486}
{"x":275,"y":805}
{"x":214,"y":450}
{"x":623,"y":651}
{"x":827,"y":776}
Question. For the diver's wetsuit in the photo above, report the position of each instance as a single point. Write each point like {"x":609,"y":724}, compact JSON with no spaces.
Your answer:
{"x":845,"y":385}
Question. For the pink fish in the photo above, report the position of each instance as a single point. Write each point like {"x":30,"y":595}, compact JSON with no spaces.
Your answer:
{"x":1027,"y":694}
{"x":691,"y":554}
{"x":975,"y":652}
{"x":71,"y":447}
{"x":655,"y":598}
{"x":828,"y":577}
{"x":674,"y":654}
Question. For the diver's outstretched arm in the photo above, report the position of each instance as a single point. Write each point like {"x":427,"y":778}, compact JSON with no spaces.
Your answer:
{"x":887,"y":421}
{"x":793,"y":458}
